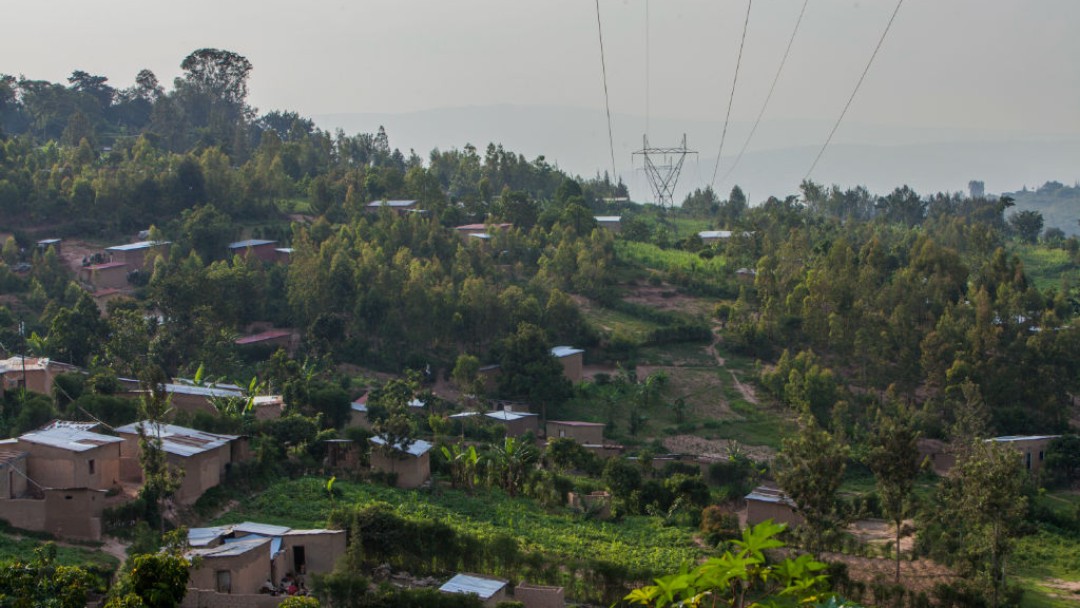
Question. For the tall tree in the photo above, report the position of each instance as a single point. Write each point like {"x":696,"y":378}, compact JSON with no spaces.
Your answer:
{"x":810,"y":469}
{"x":894,"y":459}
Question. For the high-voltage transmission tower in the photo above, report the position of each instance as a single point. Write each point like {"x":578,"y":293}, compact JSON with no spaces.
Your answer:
{"x":662,"y":167}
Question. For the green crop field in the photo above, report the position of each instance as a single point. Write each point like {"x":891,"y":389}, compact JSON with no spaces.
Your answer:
{"x":638,"y":543}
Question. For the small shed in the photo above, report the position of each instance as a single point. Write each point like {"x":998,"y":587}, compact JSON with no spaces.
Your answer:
{"x":572,"y":360}
{"x":580,"y":432}
{"x":239,"y":566}
{"x":44,"y":244}
{"x":491,"y":591}
{"x":411,"y":464}
{"x":70,"y":456}
{"x":539,"y":596}
{"x":770,"y":503}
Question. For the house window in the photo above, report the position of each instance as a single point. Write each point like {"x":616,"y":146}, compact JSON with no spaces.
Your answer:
{"x":1041,"y":454}
{"x":1027,"y":460}
{"x":224,"y":581}
{"x":91,"y":463}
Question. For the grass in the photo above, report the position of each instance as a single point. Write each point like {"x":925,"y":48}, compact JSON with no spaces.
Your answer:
{"x":640,"y":543}
{"x":612,"y":321}
{"x":687,"y":354}
{"x":16,"y":547}
{"x":1038,"y":560}
{"x":651,"y":256}
{"x":1047,"y":267}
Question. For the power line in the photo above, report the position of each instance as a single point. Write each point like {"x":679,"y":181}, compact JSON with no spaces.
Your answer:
{"x":647,"y":58}
{"x":607,"y":102}
{"x":731,"y":99}
{"x":768,"y":97}
{"x":866,"y":70}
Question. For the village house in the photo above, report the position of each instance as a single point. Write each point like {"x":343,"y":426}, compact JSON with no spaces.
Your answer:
{"x":283,"y":255}
{"x":271,"y":338}
{"x":591,"y":433}
{"x":491,"y":591}
{"x":239,"y":559}
{"x":411,"y":465}
{"x":609,"y":222}
{"x":110,"y":275}
{"x":572,"y":360}
{"x":35,"y":374}
{"x":770,"y":503}
{"x":70,"y":455}
{"x":260,"y":248}
{"x":358,"y":413}
{"x":138,"y":256}
{"x":1032,"y":448}
{"x":400,"y":207}
{"x":102,"y":297}
{"x":484,"y":229}
{"x":187,"y":397}
{"x":204,"y":457}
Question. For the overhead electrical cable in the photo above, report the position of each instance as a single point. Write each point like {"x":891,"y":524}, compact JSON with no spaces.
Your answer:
{"x":647,"y":58}
{"x":866,"y":70}
{"x":731,"y":99}
{"x":768,"y":97}
{"x":607,"y":102}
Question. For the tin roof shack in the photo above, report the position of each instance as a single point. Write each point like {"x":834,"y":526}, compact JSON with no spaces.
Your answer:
{"x":204,"y":457}
{"x":572,"y":359}
{"x":769,"y":503}
{"x":260,"y":248}
{"x":289,"y":552}
{"x":539,"y":596}
{"x":400,"y":207}
{"x":138,"y":256}
{"x":62,"y":456}
{"x":488,"y":229}
{"x":1032,"y":448}
{"x":609,"y":222}
{"x":44,"y":244}
{"x":268,"y":407}
{"x":110,"y":275}
{"x":516,"y":423}
{"x":191,"y":399}
{"x":491,"y":591}
{"x":239,"y":566}
{"x":34,"y":373}
{"x":412,"y":465}
{"x":591,"y":433}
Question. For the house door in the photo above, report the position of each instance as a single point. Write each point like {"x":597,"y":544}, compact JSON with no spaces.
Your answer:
{"x":299,"y":559}
{"x":224,"y":581}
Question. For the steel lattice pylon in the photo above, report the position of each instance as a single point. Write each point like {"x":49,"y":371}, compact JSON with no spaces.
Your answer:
{"x":663,"y":175}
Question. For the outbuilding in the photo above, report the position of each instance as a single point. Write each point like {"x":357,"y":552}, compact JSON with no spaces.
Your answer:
{"x":490,"y":591}
{"x":411,"y":464}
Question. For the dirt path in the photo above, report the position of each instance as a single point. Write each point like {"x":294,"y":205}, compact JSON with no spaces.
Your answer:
{"x":745,"y":390}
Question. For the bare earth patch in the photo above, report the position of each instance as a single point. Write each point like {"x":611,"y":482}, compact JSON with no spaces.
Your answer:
{"x":920,"y":575}
{"x":746,"y":390}
{"x":665,"y":297}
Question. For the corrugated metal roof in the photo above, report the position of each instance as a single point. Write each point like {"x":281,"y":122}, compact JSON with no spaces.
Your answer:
{"x":252,"y":527}
{"x":203,"y":391}
{"x":70,"y":424}
{"x":179,"y":440}
{"x":509,"y":416}
{"x":284,"y":249}
{"x":231,"y":549}
{"x":608,"y":218}
{"x":136,"y":246}
{"x":250,"y":243}
{"x":202,"y":537}
{"x":416,"y":403}
{"x":464,"y":415}
{"x":1012,"y":438}
{"x":395,"y":203}
{"x":9,"y":456}
{"x":74,"y":440}
{"x":575,"y":423}
{"x":417,"y":448}
{"x":565,"y":351}
{"x":465,"y":583}
{"x":271,"y":334}
{"x":715,"y":234}
{"x":763,"y":494}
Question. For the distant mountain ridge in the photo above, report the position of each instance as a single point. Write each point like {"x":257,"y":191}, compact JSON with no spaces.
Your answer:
{"x":880,"y":157}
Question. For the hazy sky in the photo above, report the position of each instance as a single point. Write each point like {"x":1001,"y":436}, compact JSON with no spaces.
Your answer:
{"x":1006,"y":65}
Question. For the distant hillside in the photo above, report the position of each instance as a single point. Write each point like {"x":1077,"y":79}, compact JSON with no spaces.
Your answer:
{"x":1059,"y":204}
